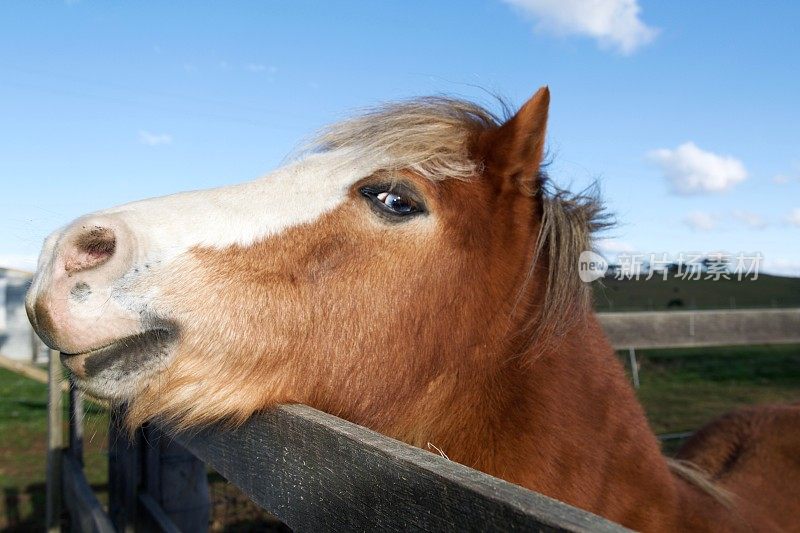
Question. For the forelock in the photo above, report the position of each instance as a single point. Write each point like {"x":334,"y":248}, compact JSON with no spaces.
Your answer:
{"x":430,"y":136}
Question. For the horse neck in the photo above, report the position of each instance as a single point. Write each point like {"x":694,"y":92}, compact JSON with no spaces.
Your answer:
{"x":589,"y":439}
{"x":564,"y":422}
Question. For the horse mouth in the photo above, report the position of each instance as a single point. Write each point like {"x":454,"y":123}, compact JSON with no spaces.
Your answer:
{"x":122,"y":358}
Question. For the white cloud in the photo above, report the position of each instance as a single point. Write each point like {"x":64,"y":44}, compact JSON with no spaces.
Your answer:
{"x":258,"y":67}
{"x":614,"y":246}
{"x":154,"y":139}
{"x":750,"y":219}
{"x":612,"y":23}
{"x":612,"y":249}
{"x":700,"y":221}
{"x":787,"y":177}
{"x":18,"y":261}
{"x":794,"y":217}
{"x":691,"y":170}
{"x":705,"y":221}
{"x":782,"y":267}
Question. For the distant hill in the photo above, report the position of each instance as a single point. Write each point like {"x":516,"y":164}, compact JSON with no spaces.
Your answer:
{"x":675,"y":293}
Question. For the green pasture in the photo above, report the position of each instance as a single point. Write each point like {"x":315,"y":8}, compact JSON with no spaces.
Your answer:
{"x":657,"y":294}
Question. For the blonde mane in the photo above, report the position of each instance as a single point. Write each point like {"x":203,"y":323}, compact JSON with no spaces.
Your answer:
{"x":568,"y":224}
{"x":431,"y":136}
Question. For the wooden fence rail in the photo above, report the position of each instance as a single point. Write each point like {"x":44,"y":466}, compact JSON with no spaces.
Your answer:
{"x":682,"y":329}
{"x":317,"y":472}
{"x":677,"y":329}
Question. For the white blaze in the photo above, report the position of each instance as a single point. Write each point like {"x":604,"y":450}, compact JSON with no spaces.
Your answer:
{"x":241,"y":214}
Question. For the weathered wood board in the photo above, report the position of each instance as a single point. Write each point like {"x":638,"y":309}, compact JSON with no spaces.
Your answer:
{"x":676,"y":329}
{"x":317,"y":472}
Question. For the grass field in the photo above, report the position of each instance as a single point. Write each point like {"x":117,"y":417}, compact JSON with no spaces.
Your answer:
{"x":675,"y":293}
{"x":683,"y":388}
{"x":680,"y":389}
{"x":23,"y":430}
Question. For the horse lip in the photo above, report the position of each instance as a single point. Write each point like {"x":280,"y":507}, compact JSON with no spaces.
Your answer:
{"x":67,"y":355}
{"x":128,"y":352}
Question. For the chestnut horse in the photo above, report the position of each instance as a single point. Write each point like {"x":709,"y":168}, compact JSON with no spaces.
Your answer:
{"x":413,"y":272}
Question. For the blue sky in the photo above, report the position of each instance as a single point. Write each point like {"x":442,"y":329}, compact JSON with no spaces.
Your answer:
{"x":686,"y":112}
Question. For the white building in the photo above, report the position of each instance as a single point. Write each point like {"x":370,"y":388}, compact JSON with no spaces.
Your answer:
{"x":17,"y":339}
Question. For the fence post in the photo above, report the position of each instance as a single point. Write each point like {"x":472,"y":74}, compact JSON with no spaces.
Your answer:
{"x":154,"y":483}
{"x":75,"y":423}
{"x":176,"y":481}
{"x":55,"y":443}
{"x":123,"y":472}
{"x":75,"y":442}
{"x":34,"y":347}
{"x":634,"y":366}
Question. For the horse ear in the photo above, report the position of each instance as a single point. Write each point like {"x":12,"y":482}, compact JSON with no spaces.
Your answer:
{"x":514,"y":151}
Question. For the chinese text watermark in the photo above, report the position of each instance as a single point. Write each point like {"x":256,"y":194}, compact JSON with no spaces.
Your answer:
{"x":687,"y":266}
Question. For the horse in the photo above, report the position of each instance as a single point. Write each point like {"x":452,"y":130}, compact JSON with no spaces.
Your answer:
{"x":415,"y":271}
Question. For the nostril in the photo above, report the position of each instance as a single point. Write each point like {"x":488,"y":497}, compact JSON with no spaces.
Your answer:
{"x":92,"y":247}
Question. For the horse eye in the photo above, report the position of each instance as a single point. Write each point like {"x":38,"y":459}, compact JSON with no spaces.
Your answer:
{"x":397,"y":203}
{"x":394,"y":202}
